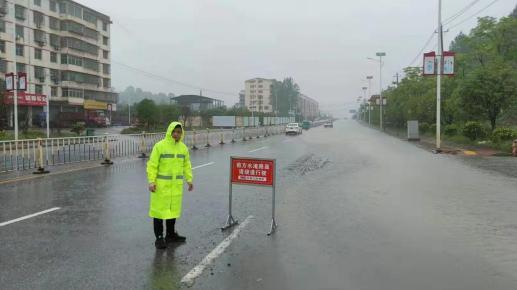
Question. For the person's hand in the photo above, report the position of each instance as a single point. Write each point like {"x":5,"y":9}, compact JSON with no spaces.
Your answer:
{"x":152,"y":187}
{"x":190,"y":186}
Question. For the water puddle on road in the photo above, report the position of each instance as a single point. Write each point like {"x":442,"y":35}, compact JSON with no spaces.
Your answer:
{"x":307,"y":163}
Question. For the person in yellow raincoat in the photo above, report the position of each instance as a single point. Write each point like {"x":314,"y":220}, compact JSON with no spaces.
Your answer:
{"x":168,"y":167}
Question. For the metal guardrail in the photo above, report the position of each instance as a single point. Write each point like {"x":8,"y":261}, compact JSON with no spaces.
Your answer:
{"x":40,"y":153}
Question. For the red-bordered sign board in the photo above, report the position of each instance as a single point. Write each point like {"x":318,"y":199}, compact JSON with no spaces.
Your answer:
{"x":253,"y":171}
{"x":26,"y":99}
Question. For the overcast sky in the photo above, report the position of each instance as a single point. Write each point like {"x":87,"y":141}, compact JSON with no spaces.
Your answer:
{"x":322,"y":44}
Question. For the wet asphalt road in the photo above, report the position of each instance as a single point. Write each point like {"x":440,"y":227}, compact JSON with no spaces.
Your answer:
{"x":357,"y":209}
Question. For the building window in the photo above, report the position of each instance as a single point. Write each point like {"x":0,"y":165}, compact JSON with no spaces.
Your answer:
{"x":105,"y":54}
{"x":37,"y":53}
{"x":54,"y":75}
{"x":2,"y":26}
{"x":260,"y":91}
{"x":53,"y":57}
{"x":20,"y":32}
{"x":54,"y":40}
{"x":19,"y":12}
{"x":20,"y":49}
{"x":38,"y":89}
{"x":106,"y":68}
{"x":37,"y":2}
{"x":40,"y":37}
{"x":2,"y":46}
{"x":39,"y":19}
{"x":53,"y":23}
{"x":66,"y":92}
{"x":266,"y":107}
{"x":75,"y":10}
{"x":53,"y":91}
{"x":90,"y":17}
{"x":39,"y":73}
{"x":20,"y":67}
{"x":260,"y":86}
{"x":105,"y":40}
{"x":3,"y":65}
{"x":53,"y":6}
{"x":107,"y":83}
{"x":62,"y":7}
{"x":105,"y":26}
{"x":71,"y":59}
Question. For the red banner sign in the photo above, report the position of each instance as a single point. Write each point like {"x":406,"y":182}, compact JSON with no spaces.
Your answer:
{"x":26,"y":99}
{"x":253,"y":171}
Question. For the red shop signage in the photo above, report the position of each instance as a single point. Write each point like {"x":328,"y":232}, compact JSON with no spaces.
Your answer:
{"x":26,"y":99}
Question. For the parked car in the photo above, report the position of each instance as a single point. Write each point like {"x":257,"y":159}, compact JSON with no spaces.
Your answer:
{"x":293,"y":129}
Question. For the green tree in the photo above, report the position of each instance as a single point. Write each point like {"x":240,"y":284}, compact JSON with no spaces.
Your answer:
{"x":147,"y":113}
{"x":488,"y":90}
{"x":285,"y":96}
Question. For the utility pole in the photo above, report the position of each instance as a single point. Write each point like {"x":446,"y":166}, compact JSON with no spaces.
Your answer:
{"x":369,"y":78}
{"x":439,"y":78}
{"x":129,"y":115}
{"x":380,"y":55}
{"x":397,"y":78}
{"x":15,"y":79}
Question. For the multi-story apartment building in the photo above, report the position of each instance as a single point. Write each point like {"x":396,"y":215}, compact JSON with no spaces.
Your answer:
{"x":307,"y":108}
{"x":258,"y":95}
{"x":64,"y":48}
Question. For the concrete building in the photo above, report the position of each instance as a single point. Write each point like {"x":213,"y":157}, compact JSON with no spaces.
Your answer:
{"x":242,"y":99}
{"x":64,"y":48}
{"x":197,"y":103}
{"x":258,"y":95}
{"x":307,"y":108}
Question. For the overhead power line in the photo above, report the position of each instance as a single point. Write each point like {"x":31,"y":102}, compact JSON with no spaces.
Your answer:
{"x":419,"y":54}
{"x":180,"y":83}
{"x":473,"y":15}
{"x":461,"y":12}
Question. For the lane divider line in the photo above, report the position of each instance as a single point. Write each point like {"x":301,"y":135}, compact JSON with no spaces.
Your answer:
{"x":29,"y":216}
{"x":191,"y":276}
{"x":203,"y":165}
{"x":258,"y":149}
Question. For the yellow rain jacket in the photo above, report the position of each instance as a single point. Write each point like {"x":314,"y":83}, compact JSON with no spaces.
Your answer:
{"x":168,"y":166}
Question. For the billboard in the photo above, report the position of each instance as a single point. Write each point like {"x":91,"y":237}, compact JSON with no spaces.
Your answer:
{"x":223,"y":121}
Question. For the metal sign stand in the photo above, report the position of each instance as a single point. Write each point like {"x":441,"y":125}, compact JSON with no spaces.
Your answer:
{"x":230,"y":221}
{"x":273,"y":221}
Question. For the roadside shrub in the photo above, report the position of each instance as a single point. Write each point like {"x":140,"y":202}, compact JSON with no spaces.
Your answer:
{"x":132,"y":130}
{"x":474,"y":130}
{"x":78,"y":128}
{"x":503,"y":134}
{"x":432,"y":129}
{"x":424,"y":127}
{"x":451,"y":130}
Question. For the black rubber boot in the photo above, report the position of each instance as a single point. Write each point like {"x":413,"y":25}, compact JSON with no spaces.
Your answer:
{"x":160,"y":243}
{"x":175,"y":238}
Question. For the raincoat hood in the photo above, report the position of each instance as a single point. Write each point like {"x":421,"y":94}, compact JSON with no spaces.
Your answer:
{"x":168,"y":135}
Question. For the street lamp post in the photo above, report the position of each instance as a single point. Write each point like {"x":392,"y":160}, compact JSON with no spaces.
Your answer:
{"x":380,"y":55}
{"x":369,"y":78}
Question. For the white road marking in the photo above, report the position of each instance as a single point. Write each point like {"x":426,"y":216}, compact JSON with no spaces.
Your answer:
{"x":258,"y":149}
{"x":29,"y":216}
{"x":203,"y":165}
{"x":209,"y":259}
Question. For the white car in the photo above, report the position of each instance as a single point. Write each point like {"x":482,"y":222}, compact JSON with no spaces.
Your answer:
{"x":293,"y":129}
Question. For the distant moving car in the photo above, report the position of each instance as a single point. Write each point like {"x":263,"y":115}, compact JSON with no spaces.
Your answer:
{"x":293,"y":129}
{"x":329,"y":125}
{"x":306,"y":125}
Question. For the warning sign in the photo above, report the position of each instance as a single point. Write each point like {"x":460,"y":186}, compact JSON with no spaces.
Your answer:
{"x":253,"y":171}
